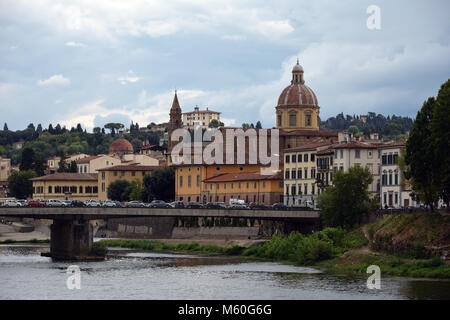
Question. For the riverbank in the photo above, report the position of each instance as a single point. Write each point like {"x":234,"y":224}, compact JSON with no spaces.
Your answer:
{"x":337,"y":251}
{"x":9,"y":235}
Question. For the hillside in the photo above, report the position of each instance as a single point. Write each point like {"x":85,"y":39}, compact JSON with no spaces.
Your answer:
{"x":417,"y":235}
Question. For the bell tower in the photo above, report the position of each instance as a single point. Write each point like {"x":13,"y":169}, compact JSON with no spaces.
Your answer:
{"x":175,"y":121}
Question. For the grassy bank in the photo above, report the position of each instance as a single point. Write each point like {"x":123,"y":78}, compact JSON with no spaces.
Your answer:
{"x":33,"y":241}
{"x":333,"y":249}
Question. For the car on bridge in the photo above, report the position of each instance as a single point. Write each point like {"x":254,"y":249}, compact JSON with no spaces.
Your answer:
{"x":109,"y":203}
{"x":92,"y":203}
{"x":216,"y":205}
{"x":36,"y":203}
{"x":67,"y":203}
{"x":159,"y":204}
{"x":279,"y":206}
{"x":135,"y":204}
{"x":77,"y":203}
{"x":54,"y":203}
{"x":194,"y":205}
{"x":24,"y":203}
{"x":257,"y":206}
{"x":12,"y":203}
{"x":177,"y":204}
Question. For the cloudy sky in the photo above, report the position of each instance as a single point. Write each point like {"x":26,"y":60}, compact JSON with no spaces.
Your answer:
{"x":93,"y":62}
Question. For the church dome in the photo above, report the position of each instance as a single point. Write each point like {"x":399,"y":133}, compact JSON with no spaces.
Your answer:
{"x":121,"y":145}
{"x":298,"y":94}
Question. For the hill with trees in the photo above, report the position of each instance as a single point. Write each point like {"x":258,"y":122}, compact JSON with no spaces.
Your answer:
{"x":390,"y":127}
{"x":57,"y":140}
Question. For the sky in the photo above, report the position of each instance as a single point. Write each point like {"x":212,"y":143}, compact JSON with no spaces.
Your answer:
{"x":94,"y":62}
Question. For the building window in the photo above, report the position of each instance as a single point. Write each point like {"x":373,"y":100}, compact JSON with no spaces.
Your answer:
{"x":287,"y":158}
{"x":293,"y":174}
{"x":357,"y":154}
{"x":342,"y":154}
{"x":292,"y":120}
{"x":115,"y":173}
{"x":306,"y":188}
{"x":306,"y":174}
{"x":299,"y":173}
{"x":189,"y":181}
{"x":103,"y":187}
{"x":286,"y":174}
{"x":198,"y":180}
{"x":279,"y":120}
{"x":313,"y":157}
{"x":294,"y":158}
{"x":103,"y":175}
{"x":181,"y":181}
{"x":293,"y":191}
{"x":80,"y":189}
{"x":305,"y":157}
{"x":308,"y":120}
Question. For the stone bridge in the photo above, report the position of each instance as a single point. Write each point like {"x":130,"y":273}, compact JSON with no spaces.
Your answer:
{"x":71,"y":234}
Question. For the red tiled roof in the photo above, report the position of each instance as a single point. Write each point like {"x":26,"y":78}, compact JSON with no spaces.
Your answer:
{"x":401,"y":143}
{"x":244,"y":176}
{"x":68,"y":176}
{"x":325,"y":151}
{"x":131,"y":167}
{"x":121,"y":144}
{"x":313,"y":133}
{"x":309,"y":146}
{"x":87,"y":159}
{"x":298,"y":94}
{"x":356,"y":145}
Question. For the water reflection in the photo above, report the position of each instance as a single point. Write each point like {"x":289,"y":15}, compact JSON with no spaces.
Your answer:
{"x":127,"y":274}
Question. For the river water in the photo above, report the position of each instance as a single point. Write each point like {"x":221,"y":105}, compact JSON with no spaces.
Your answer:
{"x":127,"y":274}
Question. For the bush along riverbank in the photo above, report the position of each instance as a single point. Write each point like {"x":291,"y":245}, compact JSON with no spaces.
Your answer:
{"x":336,"y":250}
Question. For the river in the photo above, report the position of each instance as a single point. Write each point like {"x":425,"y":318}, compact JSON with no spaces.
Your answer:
{"x":127,"y":274}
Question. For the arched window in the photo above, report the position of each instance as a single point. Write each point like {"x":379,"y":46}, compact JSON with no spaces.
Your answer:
{"x":292,"y":119}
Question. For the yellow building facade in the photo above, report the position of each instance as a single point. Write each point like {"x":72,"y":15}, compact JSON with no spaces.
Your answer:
{"x":121,"y":172}
{"x":66,"y":186}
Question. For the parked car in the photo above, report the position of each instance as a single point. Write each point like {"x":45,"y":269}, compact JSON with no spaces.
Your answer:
{"x":92,"y":203}
{"x":24,"y":203}
{"x":12,"y":203}
{"x":67,"y":203}
{"x":257,"y":206}
{"x":54,"y":203}
{"x":216,"y":205}
{"x":159,"y":204}
{"x":109,"y":203}
{"x":119,"y":204}
{"x":36,"y":203}
{"x":194,"y":205}
{"x":177,"y":204}
{"x":239,"y":206}
{"x":135,"y":204}
{"x":77,"y":203}
{"x":279,"y":206}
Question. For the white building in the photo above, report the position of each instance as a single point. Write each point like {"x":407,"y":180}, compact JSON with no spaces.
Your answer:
{"x":394,"y":191}
{"x":199,"y":118}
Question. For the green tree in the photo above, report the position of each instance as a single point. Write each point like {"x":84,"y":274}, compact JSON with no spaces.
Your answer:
{"x":119,"y":190}
{"x":423,"y":167}
{"x":136,"y":190}
{"x":347,"y":201}
{"x":19,"y":184}
{"x":73,"y":167}
{"x":440,"y":129}
{"x":160,"y":184}
{"x":215,"y":124}
{"x":27,"y":159}
{"x":5,"y":127}
{"x":258,"y":125}
{"x":353,"y":130}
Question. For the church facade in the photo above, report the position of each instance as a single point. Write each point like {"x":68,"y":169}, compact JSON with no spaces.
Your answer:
{"x":297,"y":119}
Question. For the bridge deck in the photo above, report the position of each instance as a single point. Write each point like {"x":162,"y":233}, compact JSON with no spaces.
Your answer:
{"x":108,"y":213}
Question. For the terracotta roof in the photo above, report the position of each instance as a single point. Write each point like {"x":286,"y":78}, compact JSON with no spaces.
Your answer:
{"x":401,"y":143}
{"x":356,"y":145}
{"x":87,"y":159}
{"x":298,"y":94}
{"x":244,"y":176}
{"x":325,"y":151}
{"x":121,"y":144}
{"x":304,"y":132}
{"x":201,"y":111}
{"x":66,"y":176}
{"x":131,"y":167}
{"x":310,"y":146}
